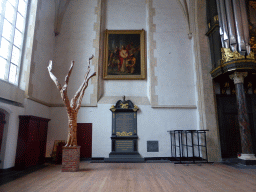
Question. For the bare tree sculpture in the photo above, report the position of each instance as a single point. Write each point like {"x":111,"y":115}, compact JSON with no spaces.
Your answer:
{"x":74,"y":105}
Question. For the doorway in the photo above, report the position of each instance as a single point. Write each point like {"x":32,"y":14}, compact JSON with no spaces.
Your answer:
{"x":84,"y":139}
{"x":229,"y":126}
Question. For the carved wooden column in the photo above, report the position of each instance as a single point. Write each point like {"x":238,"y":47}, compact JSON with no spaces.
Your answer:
{"x":243,"y":118}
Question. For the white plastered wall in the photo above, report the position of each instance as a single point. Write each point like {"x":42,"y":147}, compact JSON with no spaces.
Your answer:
{"x":167,"y":98}
{"x":37,"y":88}
{"x":75,"y":42}
{"x":175,"y":70}
{"x":175,"y":88}
{"x":153,"y":124}
{"x":124,"y":15}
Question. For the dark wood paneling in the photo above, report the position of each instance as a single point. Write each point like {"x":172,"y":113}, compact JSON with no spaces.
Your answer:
{"x":31,"y":141}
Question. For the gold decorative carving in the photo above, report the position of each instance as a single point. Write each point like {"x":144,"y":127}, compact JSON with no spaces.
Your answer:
{"x":112,"y":108}
{"x":253,"y":40}
{"x":252,"y":4}
{"x":250,"y":56}
{"x":135,"y":108}
{"x":216,"y":18}
{"x":124,"y":133}
{"x":226,"y":84}
{"x":124,"y":106}
{"x":228,"y":55}
{"x":74,"y":105}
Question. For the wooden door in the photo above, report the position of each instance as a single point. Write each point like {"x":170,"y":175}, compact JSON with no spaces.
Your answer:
{"x":84,"y":139}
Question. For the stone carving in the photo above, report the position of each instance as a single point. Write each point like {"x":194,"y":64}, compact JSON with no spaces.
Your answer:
{"x":74,"y":105}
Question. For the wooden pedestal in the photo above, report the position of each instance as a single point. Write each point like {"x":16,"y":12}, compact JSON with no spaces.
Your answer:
{"x":70,"y":159}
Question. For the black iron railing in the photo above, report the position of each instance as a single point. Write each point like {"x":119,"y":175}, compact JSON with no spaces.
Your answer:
{"x":189,"y":146}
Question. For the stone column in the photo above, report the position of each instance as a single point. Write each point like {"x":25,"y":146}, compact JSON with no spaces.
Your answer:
{"x":243,"y":118}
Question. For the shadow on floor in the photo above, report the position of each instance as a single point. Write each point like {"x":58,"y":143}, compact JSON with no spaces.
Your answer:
{"x":234,"y":162}
{"x":8,"y":175}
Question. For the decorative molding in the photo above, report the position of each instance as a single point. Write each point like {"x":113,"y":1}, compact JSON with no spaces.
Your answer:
{"x":235,"y":65}
{"x":9,"y":102}
{"x":176,"y":106}
{"x":52,"y":105}
{"x":136,"y":99}
{"x":238,"y":77}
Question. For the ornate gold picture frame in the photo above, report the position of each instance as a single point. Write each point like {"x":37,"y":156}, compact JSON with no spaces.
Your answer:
{"x":124,"y":55}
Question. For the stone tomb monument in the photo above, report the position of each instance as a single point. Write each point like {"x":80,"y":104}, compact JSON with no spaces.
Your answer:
{"x":124,"y":133}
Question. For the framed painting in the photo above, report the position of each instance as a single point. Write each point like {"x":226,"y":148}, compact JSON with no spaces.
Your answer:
{"x":124,"y":55}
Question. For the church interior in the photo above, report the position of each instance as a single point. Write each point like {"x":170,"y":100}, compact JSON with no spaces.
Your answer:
{"x":171,"y":106}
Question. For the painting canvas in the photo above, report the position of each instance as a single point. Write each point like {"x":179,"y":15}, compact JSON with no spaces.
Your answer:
{"x":124,"y":56}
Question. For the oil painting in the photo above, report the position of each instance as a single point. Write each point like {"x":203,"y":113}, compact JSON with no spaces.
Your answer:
{"x":124,"y":54}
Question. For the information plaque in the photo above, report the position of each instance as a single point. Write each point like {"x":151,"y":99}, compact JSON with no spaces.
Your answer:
{"x":125,"y":123}
{"x":124,"y":146}
{"x":124,"y":133}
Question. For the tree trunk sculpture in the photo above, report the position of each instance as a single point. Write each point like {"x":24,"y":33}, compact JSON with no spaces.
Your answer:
{"x":74,"y":105}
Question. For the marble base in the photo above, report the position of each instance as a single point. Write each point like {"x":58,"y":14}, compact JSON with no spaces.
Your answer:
{"x":247,"y":159}
{"x":70,"y":159}
{"x":132,"y":157}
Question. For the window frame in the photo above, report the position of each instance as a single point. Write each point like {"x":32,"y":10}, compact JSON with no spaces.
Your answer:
{"x":23,"y":44}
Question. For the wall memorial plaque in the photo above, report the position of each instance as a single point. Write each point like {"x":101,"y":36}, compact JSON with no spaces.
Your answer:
{"x":124,"y":133}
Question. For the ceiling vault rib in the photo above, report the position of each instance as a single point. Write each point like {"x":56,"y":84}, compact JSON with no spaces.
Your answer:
{"x":60,"y":9}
